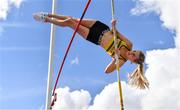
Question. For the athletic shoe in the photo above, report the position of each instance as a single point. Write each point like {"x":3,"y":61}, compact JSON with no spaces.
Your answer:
{"x":40,"y":16}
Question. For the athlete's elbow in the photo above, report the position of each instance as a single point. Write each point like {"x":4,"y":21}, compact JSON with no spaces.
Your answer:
{"x":107,"y":71}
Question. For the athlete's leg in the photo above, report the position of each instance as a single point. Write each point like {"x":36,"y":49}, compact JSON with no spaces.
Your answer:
{"x":83,"y":31}
{"x":58,"y":22}
{"x":85,"y":22}
{"x":61,"y":17}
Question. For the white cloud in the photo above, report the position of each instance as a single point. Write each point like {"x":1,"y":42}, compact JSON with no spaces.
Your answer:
{"x":5,"y":6}
{"x":107,"y":99}
{"x":163,"y":65}
{"x":167,"y":9}
{"x":75,"y":61}
{"x":75,"y":100}
{"x":3,"y":9}
{"x":163,"y":73}
{"x":163,"y":69}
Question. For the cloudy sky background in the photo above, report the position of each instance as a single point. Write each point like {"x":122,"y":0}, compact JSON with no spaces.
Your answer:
{"x":24,"y":46}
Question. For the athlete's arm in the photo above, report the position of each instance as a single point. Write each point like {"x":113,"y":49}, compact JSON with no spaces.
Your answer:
{"x":112,"y":66}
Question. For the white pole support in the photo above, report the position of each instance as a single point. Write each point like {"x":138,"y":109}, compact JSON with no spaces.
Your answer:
{"x":51,"y":62}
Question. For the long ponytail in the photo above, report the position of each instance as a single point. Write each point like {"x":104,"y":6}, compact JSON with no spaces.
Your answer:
{"x":137,"y":78}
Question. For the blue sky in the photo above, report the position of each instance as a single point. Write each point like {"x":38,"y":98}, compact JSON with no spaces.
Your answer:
{"x":24,"y":48}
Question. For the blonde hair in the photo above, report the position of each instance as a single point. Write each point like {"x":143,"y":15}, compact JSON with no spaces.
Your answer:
{"x":137,"y":78}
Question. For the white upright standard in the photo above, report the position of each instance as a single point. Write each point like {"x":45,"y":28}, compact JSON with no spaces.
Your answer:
{"x":51,"y":62}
